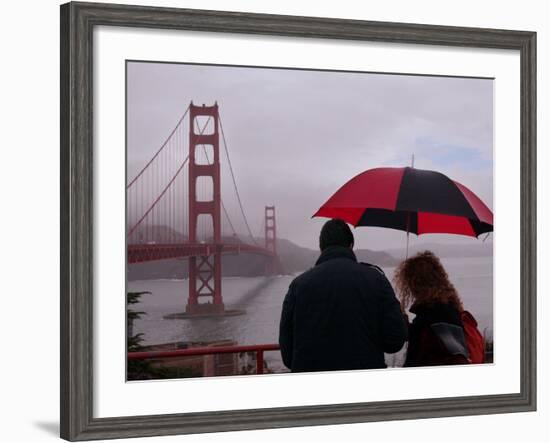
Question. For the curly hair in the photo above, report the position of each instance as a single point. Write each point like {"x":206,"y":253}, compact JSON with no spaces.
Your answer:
{"x":422,"y":279}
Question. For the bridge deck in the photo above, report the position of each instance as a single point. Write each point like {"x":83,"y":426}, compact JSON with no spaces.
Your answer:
{"x":138,"y":253}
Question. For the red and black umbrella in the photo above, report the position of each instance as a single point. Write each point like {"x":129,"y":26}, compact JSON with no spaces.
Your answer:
{"x":411,"y":200}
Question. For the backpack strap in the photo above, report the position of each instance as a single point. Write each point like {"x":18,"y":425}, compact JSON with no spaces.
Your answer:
{"x":467,"y":317}
{"x":452,"y":337}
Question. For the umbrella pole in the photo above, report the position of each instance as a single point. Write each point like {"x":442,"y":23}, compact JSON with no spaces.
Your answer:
{"x":407,"y":249}
{"x":409,"y":219}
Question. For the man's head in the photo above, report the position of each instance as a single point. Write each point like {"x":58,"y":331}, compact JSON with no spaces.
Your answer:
{"x":335,"y":232}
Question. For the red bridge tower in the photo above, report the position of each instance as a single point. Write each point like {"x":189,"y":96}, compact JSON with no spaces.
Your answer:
{"x":270,"y":230}
{"x":274,"y":264}
{"x":205,"y":274}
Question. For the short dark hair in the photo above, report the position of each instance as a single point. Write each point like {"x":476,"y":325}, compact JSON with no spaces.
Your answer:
{"x":335,"y":232}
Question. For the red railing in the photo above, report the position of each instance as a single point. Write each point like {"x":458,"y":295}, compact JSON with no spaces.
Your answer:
{"x":209,"y":350}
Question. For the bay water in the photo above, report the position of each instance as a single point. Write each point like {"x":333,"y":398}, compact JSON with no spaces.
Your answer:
{"x":262,"y":298}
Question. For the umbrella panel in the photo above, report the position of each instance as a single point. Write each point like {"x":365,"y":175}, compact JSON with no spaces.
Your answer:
{"x":422,"y":222}
{"x":408,"y":199}
{"x":432,"y":192}
{"x":402,"y":220}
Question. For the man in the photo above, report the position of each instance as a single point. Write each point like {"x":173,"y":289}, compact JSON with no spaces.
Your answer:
{"x":340,"y":314}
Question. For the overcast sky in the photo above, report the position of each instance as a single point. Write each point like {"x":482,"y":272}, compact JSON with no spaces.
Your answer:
{"x":296,"y":136}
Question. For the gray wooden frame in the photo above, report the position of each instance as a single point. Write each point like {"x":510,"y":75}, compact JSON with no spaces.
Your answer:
{"x":77,"y":24}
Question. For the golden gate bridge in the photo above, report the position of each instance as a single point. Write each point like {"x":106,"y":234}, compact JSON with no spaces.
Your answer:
{"x":175,"y":210}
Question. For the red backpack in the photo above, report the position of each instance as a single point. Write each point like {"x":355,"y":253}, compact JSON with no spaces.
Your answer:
{"x":474,"y":339}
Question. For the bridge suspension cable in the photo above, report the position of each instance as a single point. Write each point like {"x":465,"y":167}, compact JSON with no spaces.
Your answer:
{"x":160,"y":170}
{"x":235,"y":182}
{"x":160,"y":149}
{"x":221,"y":200}
{"x":167,"y":187}
{"x":131,"y":231}
{"x":262,"y":229}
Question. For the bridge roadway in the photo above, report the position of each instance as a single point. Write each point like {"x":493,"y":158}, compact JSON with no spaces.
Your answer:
{"x":139,"y":253}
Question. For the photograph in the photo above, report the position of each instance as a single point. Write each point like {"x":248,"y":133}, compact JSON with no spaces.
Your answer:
{"x":284,"y":220}
{"x":287,"y":219}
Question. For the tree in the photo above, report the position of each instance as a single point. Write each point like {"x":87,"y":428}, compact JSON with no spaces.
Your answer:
{"x":136,"y":369}
{"x":143,"y":369}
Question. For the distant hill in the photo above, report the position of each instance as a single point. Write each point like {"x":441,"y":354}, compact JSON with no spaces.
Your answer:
{"x":379,"y":258}
{"x":158,"y":233}
{"x":294,"y":259}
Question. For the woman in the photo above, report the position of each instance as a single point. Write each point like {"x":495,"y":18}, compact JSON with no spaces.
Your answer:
{"x":436,"y":335}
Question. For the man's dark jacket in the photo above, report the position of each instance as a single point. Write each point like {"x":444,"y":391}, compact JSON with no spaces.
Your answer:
{"x":340,"y":315}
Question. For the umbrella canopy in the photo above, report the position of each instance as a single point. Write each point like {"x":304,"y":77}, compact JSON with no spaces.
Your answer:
{"x":409,"y":199}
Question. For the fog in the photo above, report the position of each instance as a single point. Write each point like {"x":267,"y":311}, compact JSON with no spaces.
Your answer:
{"x":296,"y":136}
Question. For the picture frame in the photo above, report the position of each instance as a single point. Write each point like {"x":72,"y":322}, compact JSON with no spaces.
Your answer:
{"x":77,"y":218}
